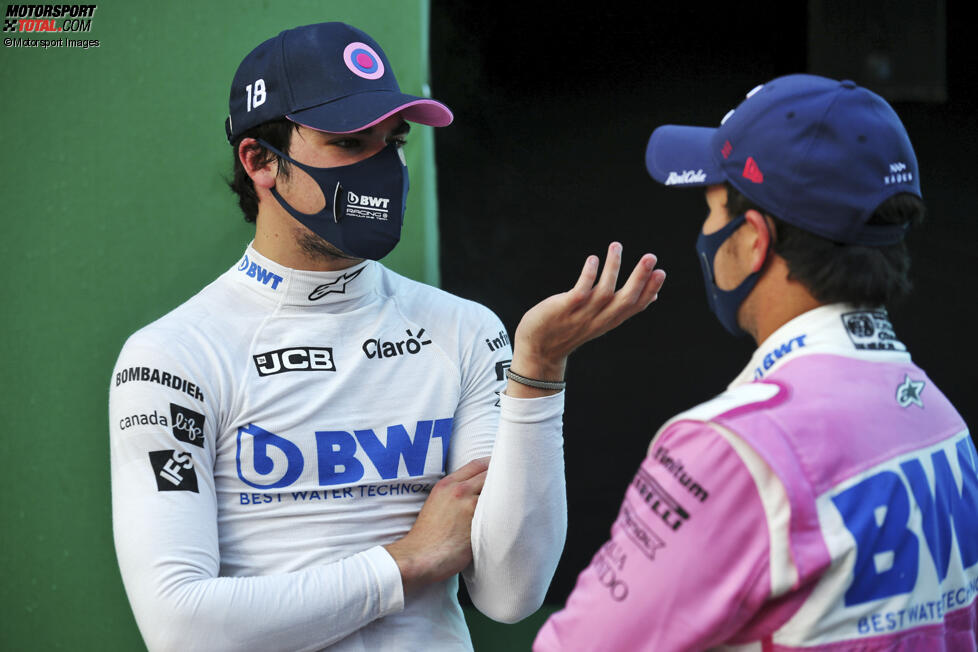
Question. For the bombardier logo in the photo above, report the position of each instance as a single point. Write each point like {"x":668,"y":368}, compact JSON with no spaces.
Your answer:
{"x":686,"y":176}
{"x":300,"y":358}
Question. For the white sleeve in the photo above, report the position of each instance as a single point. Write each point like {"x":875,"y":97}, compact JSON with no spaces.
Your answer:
{"x":164,"y":512}
{"x":520,"y":522}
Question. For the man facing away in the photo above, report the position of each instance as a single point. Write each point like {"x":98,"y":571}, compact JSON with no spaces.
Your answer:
{"x":300,"y":452}
{"x":828,"y":500}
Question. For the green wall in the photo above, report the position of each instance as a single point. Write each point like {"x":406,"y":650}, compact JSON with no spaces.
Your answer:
{"x":115,"y":210}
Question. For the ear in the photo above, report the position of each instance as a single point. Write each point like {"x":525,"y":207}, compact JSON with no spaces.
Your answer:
{"x":249,"y":153}
{"x":760,"y":239}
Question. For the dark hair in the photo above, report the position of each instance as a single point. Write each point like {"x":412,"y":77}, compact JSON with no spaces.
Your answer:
{"x":835,"y":272}
{"x":278,"y":134}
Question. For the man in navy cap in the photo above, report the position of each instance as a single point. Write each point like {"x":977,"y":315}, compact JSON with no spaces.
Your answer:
{"x":300,"y":451}
{"x":829,"y":498}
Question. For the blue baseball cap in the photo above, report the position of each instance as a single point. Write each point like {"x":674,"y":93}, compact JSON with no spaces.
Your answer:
{"x":330,"y":77}
{"x":818,"y":153}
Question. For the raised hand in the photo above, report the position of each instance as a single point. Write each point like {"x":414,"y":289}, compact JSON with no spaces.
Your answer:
{"x":556,"y":326}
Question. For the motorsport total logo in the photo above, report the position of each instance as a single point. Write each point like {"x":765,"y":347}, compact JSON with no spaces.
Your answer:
{"x":48,"y":18}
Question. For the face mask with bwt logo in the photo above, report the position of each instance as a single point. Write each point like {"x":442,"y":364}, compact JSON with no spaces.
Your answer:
{"x":364,"y":202}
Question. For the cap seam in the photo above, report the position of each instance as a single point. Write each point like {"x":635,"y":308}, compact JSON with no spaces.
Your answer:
{"x":285,"y":75}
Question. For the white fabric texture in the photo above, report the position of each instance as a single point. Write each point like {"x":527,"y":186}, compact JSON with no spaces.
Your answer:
{"x":273,"y":432}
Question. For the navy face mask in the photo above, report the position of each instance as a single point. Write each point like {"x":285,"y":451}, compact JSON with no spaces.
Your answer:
{"x":723,"y":303}
{"x":365,"y":202}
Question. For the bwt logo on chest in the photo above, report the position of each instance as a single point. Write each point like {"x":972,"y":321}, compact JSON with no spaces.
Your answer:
{"x":268,"y":461}
{"x":895,"y":515}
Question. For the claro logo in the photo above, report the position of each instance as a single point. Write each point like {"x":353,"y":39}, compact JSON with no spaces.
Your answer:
{"x":376,"y":349}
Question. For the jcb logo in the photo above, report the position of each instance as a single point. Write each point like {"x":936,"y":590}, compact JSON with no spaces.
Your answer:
{"x":303,"y":358}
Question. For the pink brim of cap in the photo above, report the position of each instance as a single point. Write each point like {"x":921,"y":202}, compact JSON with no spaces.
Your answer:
{"x":421,"y":111}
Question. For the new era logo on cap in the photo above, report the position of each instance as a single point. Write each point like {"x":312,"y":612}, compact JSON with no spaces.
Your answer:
{"x":752,"y":172}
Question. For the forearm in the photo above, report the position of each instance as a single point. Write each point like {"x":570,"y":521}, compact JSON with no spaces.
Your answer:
{"x":520,"y":523}
{"x":169,"y":559}
{"x":305,"y":610}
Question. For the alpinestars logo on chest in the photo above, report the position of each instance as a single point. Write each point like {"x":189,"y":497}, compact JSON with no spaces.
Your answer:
{"x":334,"y":287}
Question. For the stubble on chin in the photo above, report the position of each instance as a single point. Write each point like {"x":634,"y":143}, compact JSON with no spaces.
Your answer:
{"x":319,"y":249}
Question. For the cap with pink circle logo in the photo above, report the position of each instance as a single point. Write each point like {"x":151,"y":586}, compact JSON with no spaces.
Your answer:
{"x":330,"y":77}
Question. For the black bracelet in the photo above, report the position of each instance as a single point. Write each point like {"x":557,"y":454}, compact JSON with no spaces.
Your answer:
{"x":539,"y":384}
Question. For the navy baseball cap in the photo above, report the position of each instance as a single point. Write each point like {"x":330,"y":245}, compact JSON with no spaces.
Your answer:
{"x":328,"y":76}
{"x":815,"y":152}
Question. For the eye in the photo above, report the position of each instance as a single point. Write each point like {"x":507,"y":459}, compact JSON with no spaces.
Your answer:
{"x":398,"y":140}
{"x":346,"y":143}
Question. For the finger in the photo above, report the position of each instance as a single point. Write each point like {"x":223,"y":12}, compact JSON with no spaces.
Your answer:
{"x":586,"y":280}
{"x":652,"y":287}
{"x":474,"y":484}
{"x":637,"y":282}
{"x":612,"y":265}
{"x":470,"y":470}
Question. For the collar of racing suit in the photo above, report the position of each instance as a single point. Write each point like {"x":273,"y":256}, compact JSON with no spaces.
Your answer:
{"x":837,"y":329}
{"x":330,"y":291}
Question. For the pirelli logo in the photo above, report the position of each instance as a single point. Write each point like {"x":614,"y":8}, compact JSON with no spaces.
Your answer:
{"x":659,"y":501}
